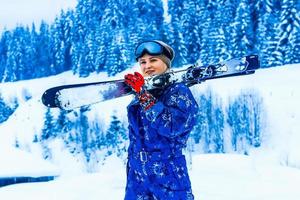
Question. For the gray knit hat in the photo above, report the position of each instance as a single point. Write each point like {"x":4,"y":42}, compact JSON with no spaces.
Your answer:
{"x":154,"y":47}
{"x":170,"y":50}
{"x":165,"y":59}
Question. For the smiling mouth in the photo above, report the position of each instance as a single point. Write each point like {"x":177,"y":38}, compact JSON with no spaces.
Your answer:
{"x":150,"y":72}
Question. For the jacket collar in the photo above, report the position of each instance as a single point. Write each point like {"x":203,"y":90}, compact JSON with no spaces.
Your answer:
{"x":134,"y":102}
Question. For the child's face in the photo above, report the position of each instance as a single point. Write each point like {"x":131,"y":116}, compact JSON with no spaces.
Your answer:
{"x":152,"y":65}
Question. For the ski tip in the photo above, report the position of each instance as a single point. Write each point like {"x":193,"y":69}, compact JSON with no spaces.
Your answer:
{"x":48,"y":99}
{"x":253,"y":61}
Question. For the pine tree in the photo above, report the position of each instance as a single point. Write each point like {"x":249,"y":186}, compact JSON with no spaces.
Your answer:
{"x":48,"y":125}
{"x":268,"y":34}
{"x":4,"y":42}
{"x":83,"y":38}
{"x":29,"y":54}
{"x":184,"y":33}
{"x":97,"y":135}
{"x":213,"y":30}
{"x":114,"y":22}
{"x":116,"y":135}
{"x":13,"y":58}
{"x":17,"y":143}
{"x":289,"y":27}
{"x":82,"y":131}
{"x":243,"y":29}
{"x":244,"y":118}
{"x":20,"y":54}
{"x":219,"y":128}
{"x":90,"y":40}
{"x":208,"y":130}
{"x":14,"y":104}
{"x":228,"y":13}
{"x":233,"y":121}
{"x":174,"y":35}
{"x":62,"y":125}
{"x":46,"y":134}
{"x":148,"y":18}
{"x":34,"y":57}
{"x":26,"y":94}
{"x":201,"y":127}
{"x":215,"y":118}
{"x":35,"y":138}
{"x":43,"y":50}
{"x":96,"y":37}
{"x":255,"y":104}
{"x":5,"y":110}
{"x":61,"y":42}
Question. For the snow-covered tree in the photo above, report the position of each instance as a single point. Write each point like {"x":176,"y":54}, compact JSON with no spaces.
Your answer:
{"x":83,"y":133}
{"x":61,"y":42}
{"x":208,"y":131}
{"x":5,"y":110}
{"x":15,"y":56}
{"x":201,"y":128}
{"x":46,"y":134}
{"x":79,"y":47}
{"x":183,"y":32}
{"x":289,"y":27}
{"x":244,"y":118}
{"x":43,"y":51}
{"x":213,"y":30}
{"x":62,"y":125}
{"x":4,"y":42}
{"x":48,"y":125}
{"x":148,"y":19}
{"x":243,"y":29}
{"x":268,"y":34}
{"x":116,"y":135}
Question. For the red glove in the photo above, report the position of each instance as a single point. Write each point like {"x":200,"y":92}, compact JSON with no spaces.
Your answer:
{"x":136,"y":81}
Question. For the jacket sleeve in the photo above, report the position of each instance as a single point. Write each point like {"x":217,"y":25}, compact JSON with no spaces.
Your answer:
{"x":176,"y":114}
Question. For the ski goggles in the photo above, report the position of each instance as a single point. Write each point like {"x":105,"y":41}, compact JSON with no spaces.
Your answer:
{"x":152,"y":48}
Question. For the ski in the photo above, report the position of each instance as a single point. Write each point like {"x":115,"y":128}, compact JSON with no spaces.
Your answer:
{"x":72,"y":96}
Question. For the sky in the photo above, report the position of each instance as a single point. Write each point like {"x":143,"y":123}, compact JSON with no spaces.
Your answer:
{"x":14,"y":12}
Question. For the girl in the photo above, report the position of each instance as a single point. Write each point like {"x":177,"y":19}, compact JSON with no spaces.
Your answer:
{"x":159,"y":126}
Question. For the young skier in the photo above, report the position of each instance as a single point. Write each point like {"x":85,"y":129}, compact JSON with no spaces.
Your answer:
{"x":159,"y":126}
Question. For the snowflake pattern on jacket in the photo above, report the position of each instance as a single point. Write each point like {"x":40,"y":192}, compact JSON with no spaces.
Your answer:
{"x":156,"y":168}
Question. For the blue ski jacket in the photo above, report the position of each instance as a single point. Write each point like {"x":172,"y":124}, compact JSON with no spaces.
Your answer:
{"x":156,"y":167}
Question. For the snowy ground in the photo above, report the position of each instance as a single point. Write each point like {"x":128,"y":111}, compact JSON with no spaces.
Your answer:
{"x":17,"y":163}
{"x":214,"y":177}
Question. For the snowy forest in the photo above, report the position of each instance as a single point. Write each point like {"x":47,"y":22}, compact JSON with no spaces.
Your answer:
{"x":100,"y":36}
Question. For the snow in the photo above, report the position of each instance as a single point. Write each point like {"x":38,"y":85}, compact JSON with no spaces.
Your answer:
{"x":242,"y":177}
{"x":269,"y":172}
{"x":279,"y":88}
{"x":15,"y":162}
{"x":213,"y":177}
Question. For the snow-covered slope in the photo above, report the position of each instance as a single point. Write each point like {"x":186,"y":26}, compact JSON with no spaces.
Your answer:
{"x":28,"y":119}
{"x":17,"y":163}
{"x":279,"y":88}
{"x":213,"y":177}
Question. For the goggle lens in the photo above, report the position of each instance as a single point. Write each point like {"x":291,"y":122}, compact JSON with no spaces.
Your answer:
{"x":151,"y":48}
